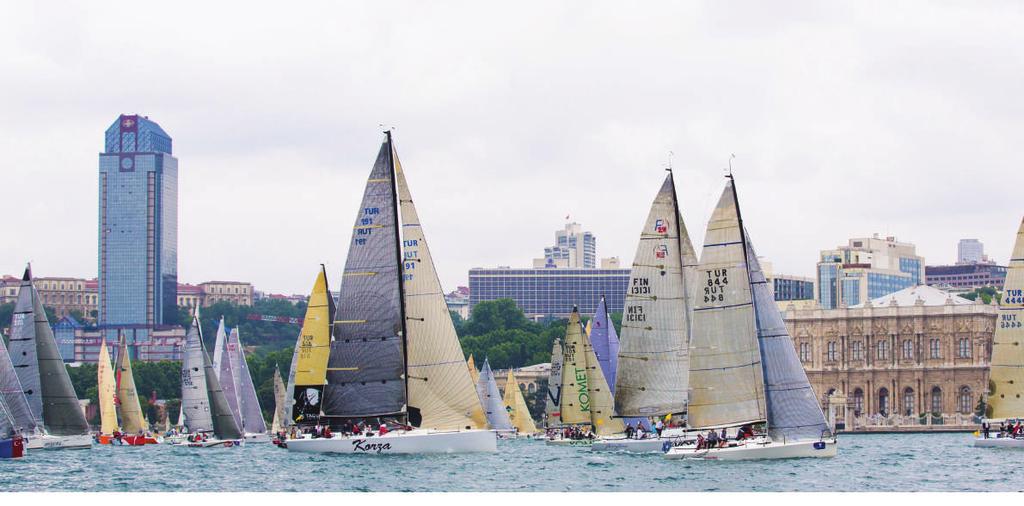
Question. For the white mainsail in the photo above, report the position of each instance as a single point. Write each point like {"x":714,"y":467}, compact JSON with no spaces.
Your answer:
{"x":652,"y":377}
{"x":494,"y":405}
{"x":280,"y":397}
{"x":195,"y":403}
{"x":1006,"y":378}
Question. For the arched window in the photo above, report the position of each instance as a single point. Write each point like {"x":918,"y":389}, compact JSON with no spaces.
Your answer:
{"x":831,"y":351}
{"x":883,"y":401}
{"x":964,"y":399}
{"x":936,"y":400}
{"x":964,"y":348}
{"x":531,"y":388}
{"x":858,"y":402}
{"x":936,"y":350}
{"x":857,"y":349}
{"x":883,"y":350}
{"x":908,"y":349}
{"x":805,"y":352}
{"x":908,"y":401}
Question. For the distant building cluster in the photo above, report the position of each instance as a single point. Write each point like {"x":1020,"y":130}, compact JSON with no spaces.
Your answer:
{"x":867,"y":268}
{"x":973,"y":270}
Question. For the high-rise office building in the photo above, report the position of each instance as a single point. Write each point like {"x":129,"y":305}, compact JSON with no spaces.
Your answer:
{"x":970,"y":251}
{"x":867,"y":268}
{"x":574,"y":248}
{"x":543,"y":293}
{"x":138,"y":227}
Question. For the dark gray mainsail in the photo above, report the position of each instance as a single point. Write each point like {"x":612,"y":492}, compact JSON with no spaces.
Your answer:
{"x":6,"y":421}
{"x":13,"y":394}
{"x":793,"y":410}
{"x":40,"y":368}
{"x":249,"y":404}
{"x":366,"y":368}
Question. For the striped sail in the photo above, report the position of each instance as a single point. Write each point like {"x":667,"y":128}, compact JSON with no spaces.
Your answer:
{"x":494,"y":404}
{"x":195,"y":404}
{"x":440,"y":385}
{"x":553,"y":401}
{"x":14,"y":395}
{"x":106,"y":390}
{"x":40,"y":368}
{"x":653,"y":364}
{"x":575,"y":394}
{"x":366,"y":369}
{"x":515,"y":404}
{"x":1006,"y":378}
{"x":132,"y":420}
{"x":726,"y":379}
{"x":280,"y":402}
{"x":249,"y":403}
{"x":308,"y":372}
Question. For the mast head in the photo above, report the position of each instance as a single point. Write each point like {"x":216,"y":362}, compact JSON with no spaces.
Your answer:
{"x":28,"y":272}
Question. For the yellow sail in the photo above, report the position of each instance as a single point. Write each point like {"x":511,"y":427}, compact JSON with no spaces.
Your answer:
{"x":132,"y":420}
{"x":439,"y":382}
{"x":315,"y":337}
{"x":106,"y":388}
{"x":601,"y":401}
{"x":473,"y":373}
{"x":575,"y":406}
{"x":518,"y":411}
{"x":588,"y":328}
{"x":1006,"y":377}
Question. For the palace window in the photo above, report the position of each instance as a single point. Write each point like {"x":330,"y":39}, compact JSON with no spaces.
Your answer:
{"x":936,"y":400}
{"x":858,"y":350}
{"x":883,"y":401}
{"x":935,"y":348}
{"x":883,"y":350}
{"x":858,"y":402}
{"x":964,"y":399}
{"x":805,"y":352}
{"x":964,"y":349}
{"x":908,"y":349}
{"x":831,"y":351}
{"x":908,"y":401}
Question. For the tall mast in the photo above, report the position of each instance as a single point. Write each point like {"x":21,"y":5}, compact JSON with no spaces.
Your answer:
{"x":401,"y":269}
{"x":678,"y":218}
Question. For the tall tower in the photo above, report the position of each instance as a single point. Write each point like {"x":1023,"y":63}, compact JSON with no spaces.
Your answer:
{"x":138,"y":225}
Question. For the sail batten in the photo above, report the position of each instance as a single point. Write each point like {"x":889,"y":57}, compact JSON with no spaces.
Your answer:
{"x":1006,"y":376}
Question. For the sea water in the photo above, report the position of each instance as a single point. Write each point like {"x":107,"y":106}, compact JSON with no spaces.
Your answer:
{"x":878,"y":462}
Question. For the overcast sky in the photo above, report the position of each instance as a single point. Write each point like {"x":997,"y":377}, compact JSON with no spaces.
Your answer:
{"x":845,"y":120}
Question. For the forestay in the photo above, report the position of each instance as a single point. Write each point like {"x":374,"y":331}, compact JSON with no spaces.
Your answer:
{"x":1006,"y":378}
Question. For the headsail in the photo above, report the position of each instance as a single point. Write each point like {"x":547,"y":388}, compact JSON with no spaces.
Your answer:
{"x":440,"y":387}
{"x":494,"y":406}
{"x":224,"y":424}
{"x":132,"y":420}
{"x":601,"y":402}
{"x":653,"y":360}
{"x":218,"y":347}
{"x":308,"y":372}
{"x":1006,"y":378}
{"x":249,"y":403}
{"x":280,"y":399}
{"x":515,"y":404}
{"x":40,"y":368}
{"x":553,"y":401}
{"x":726,"y":379}
{"x":106,"y":390}
{"x":366,"y":369}
{"x":230,"y":376}
{"x":605,"y":341}
{"x":473,"y":373}
{"x":575,"y":395}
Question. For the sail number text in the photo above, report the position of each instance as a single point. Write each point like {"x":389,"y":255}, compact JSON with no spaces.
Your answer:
{"x":714,"y":290}
{"x":1009,"y":321}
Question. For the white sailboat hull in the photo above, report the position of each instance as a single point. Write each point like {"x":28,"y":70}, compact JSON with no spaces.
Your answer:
{"x":569,"y":442}
{"x":51,"y":442}
{"x":412,"y":442}
{"x":258,"y":438}
{"x":652,"y":445}
{"x":212,"y":443}
{"x":998,"y":442}
{"x":761,"y":448}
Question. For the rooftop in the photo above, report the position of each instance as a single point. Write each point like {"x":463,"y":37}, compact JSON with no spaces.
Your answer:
{"x":927,"y":295}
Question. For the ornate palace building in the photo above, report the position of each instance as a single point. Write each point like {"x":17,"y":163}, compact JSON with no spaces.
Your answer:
{"x":919,"y":356}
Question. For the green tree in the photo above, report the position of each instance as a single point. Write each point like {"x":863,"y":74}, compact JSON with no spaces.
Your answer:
{"x":986,"y":293}
{"x":499,"y":331}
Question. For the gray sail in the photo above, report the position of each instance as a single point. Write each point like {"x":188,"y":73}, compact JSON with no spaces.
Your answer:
{"x":554,"y":398}
{"x":6,"y":421}
{"x":248,"y":403}
{"x":366,"y":368}
{"x":40,"y":368}
{"x":289,"y":403}
{"x":494,"y":405}
{"x":224,"y":424}
{"x":13,"y":394}
{"x":195,"y":403}
{"x":226,"y":375}
{"x":793,"y":409}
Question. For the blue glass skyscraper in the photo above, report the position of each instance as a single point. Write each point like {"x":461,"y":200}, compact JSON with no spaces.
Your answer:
{"x":138,"y":226}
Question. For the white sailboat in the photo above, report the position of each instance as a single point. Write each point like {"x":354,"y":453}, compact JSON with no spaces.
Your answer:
{"x":42,"y":375}
{"x":308,"y":373}
{"x":743,"y":367}
{"x":395,"y":357}
{"x":1006,"y":376}
{"x":653,"y":360}
{"x":493,"y":403}
{"x":280,"y":401}
{"x":205,"y":407}
{"x":254,"y":427}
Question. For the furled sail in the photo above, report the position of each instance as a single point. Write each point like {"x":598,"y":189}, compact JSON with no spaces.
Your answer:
{"x":224,"y":424}
{"x":366,"y":368}
{"x":601,"y":401}
{"x":515,"y":404}
{"x":575,"y":395}
{"x":106,"y":388}
{"x":726,"y":378}
{"x":308,"y":371}
{"x":1006,"y":378}
{"x":494,"y":405}
{"x":440,"y":386}
{"x":40,"y":368}
{"x":553,"y":401}
{"x":132,"y":420}
{"x":249,"y":403}
{"x":14,"y":395}
{"x":651,"y":376}
{"x":280,"y":400}
{"x":195,"y":403}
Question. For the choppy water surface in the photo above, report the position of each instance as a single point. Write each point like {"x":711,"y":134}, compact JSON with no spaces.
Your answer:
{"x":910,"y":462}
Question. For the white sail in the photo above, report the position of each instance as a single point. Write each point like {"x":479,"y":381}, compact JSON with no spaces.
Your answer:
{"x":440,"y":386}
{"x":195,"y":403}
{"x":653,"y":366}
{"x":218,"y":347}
{"x":553,"y":402}
{"x":726,"y":379}
{"x":1006,"y":379}
{"x":494,"y":404}
{"x":280,"y":402}
{"x":106,"y":391}
{"x":248,"y":402}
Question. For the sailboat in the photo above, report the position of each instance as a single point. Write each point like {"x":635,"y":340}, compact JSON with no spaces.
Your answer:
{"x":253,"y":426}
{"x":25,"y":426}
{"x":133,"y":423}
{"x":41,"y":372}
{"x":493,"y":404}
{"x":586,"y":399}
{"x":106,"y":387}
{"x":396,"y":357}
{"x":473,"y":373}
{"x":744,"y":370}
{"x":518,"y":411}
{"x":12,"y":445}
{"x":652,"y":364}
{"x":203,"y":403}
{"x":308,"y":373}
{"x":225,"y":365}
{"x":1006,"y":376}
{"x":553,"y":399}
{"x":280,"y":399}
